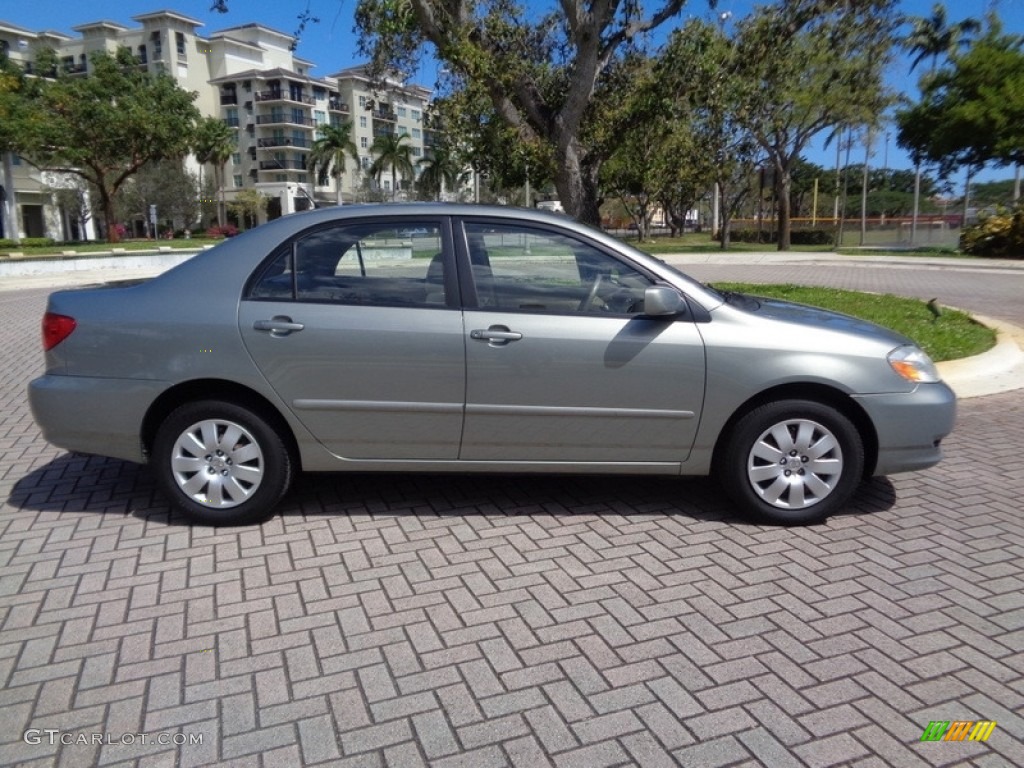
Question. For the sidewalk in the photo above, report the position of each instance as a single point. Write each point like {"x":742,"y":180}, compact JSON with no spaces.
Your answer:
{"x":1001,"y":369}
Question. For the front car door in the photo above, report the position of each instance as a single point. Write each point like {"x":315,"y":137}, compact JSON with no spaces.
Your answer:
{"x":357,"y":327}
{"x":562,"y":366}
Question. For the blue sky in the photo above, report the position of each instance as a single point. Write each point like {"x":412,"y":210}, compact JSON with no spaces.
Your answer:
{"x":332,"y":46}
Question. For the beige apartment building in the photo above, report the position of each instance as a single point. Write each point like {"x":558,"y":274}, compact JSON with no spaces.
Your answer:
{"x":249,"y":77}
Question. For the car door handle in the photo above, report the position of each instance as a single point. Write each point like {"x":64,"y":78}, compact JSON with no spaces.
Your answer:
{"x":496,"y":334}
{"x":278,"y":326}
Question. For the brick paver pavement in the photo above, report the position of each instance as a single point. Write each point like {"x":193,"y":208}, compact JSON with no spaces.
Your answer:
{"x":481,"y":621}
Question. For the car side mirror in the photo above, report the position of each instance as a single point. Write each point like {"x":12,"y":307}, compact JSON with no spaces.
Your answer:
{"x":662,"y":301}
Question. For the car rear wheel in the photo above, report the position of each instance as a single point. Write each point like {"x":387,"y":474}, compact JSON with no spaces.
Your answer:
{"x":221,"y":463}
{"x":793,"y":462}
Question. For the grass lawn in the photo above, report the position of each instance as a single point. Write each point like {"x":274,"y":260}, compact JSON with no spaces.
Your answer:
{"x":950,"y":336}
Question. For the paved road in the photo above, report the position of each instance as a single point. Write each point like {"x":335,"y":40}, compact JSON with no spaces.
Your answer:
{"x":480,"y":621}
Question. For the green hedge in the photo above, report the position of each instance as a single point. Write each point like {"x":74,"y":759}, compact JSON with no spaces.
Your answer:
{"x":796,"y":236}
{"x":27,"y":242}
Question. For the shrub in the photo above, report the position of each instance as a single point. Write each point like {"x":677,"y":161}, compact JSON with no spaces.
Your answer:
{"x":228,"y":230}
{"x":998,"y":235}
{"x":28,"y":242}
{"x":796,"y":236}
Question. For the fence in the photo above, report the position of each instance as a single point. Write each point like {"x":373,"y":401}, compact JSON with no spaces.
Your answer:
{"x":884,"y":232}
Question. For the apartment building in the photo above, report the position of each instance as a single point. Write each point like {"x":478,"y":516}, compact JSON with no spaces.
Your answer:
{"x":249,"y":77}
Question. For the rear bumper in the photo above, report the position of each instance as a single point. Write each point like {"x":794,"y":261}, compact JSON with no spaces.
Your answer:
{"x":93,"y":415}
{"x":910,"y":426}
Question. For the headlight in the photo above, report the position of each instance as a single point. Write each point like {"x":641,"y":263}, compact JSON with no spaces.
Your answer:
{"x":913,"y":364}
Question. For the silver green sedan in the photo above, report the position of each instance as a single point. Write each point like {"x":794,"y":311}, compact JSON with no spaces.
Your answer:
{"x":425,"y":338}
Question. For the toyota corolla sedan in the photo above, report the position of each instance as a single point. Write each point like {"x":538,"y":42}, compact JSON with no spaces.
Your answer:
{"x":426,"y":338}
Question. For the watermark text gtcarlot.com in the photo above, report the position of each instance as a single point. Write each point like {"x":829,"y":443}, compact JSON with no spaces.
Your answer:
{"x":53,"y":737}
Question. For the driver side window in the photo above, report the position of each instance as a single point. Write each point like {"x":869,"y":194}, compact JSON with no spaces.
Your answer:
{"x":519,"y":268}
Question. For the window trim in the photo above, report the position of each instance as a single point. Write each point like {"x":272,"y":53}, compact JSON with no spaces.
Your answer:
{"x":468,"y":285}
{"x":452,"y":288}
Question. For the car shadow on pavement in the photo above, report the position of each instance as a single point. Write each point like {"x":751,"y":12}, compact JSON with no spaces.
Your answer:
{"x":79,"y":483}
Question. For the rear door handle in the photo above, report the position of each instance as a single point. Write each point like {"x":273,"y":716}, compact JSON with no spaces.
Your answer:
{"x":279,"y":325}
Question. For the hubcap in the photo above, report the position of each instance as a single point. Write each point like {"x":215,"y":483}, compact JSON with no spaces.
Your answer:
{"x":217,"y":463}
{"x":795,"y":464}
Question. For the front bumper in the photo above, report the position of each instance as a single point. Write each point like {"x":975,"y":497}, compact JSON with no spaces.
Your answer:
{"x":93,"y":415}
{"x":910,"y":426}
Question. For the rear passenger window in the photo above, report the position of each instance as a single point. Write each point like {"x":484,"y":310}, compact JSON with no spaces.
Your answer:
{"x":377,"y":263}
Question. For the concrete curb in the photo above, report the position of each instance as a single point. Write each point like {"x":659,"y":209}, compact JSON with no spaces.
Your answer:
{"x":1000,"y":369}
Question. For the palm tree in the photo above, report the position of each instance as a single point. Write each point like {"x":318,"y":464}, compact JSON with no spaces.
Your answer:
{"x":442,"y":167}
{"x":330,"y":151}
{"x":933,"y":36}
{"x":215,"y":142}
{"x":392,"y":152}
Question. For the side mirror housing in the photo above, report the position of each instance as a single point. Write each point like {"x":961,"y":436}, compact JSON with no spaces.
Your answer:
{"x":662,"y":301}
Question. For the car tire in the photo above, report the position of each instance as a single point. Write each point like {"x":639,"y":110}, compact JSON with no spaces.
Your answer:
{"x":791,"y":462}
{"x":221,"y":464}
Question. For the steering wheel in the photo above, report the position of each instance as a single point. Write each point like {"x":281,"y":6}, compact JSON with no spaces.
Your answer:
{"x":588,"y":303}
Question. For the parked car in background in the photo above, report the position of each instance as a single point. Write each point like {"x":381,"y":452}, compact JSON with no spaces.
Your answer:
{"x":449,"y":338}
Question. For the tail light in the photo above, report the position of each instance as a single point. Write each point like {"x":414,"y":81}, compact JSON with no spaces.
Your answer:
{"x":56,"y":328}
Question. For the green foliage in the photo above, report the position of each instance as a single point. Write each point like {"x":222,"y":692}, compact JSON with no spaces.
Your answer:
{"x":106,"y":126}
{"x":798,"y":236}
{"x":999,"y":235}
{"x":950,"y":336}
{"x":330,"y":150}
{"x":27,"y":242}
{"x":392,"y":151}
{"x":247,"y":206}
{"x":971,"y":111}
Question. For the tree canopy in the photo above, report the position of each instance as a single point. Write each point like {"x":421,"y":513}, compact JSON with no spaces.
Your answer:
{"x":971,"y":111}
{"x":105,"y":126}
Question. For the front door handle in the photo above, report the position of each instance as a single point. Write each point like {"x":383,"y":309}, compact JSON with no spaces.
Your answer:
{"x":497,"y":335}
{"x":279,"y":325}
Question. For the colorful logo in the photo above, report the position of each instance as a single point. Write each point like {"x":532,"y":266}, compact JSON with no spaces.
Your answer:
{"x":958,"y":730}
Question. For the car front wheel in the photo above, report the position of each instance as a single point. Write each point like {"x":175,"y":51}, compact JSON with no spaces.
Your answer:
{"x":793,"y":462}
{"x":221,"y":463}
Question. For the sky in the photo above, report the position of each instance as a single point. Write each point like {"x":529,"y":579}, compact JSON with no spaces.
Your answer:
{"x":332,"y":46}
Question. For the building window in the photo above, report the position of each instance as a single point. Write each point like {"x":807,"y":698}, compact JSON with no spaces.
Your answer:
{"x":158,"y":46}
{"x":363,"y":142}
{"x":15,"y":159}
{"x":236,"y":158}
{"x":364,"y":162}
{"x":362,"y":121}
{"x":362,"y":102}
{"x":319,"y":116}
{"x":416,"y":115}
{"x":416,"y":151}
{"x":280,"y":177}
{"x":401,"y":111}
{"x":238,"y":179}
{"x":417,"y":133}
{"x":179,"y":43}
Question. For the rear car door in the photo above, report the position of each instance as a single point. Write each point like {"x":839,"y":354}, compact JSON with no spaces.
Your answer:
{"x":357,"y":327}
{"x":562,"y":366}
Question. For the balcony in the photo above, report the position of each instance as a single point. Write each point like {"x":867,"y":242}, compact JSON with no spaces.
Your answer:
{"x":295,"y":98}
{"x":278,"y":165}
{"x":334,"y":105}
{"x":228,"y":98}
{"x":283,"y":141}
{"x":284,"y":119}
{"x":231,"y":122}
{"x":384,"y":114}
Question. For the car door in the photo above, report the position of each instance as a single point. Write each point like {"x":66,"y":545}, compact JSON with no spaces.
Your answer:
{"x":562,"y":366}
{"x":357,"y":327}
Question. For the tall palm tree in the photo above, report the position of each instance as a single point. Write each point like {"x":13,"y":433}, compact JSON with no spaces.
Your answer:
{"x":392,"y":151}
{"x":442,"y":167}
{"x":933,"y":36}
{"x":330,"y":152}
{"x":215,"y":141}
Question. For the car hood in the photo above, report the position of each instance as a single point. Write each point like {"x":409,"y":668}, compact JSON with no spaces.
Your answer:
{"x":816,"y":317}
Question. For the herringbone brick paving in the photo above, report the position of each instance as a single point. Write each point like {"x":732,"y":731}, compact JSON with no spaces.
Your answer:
{"x":482,"y":621}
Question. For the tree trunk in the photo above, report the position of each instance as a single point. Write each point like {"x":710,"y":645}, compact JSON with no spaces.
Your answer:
{"x":576,"y":182}
{"x":109,"y":217}
{"x":12,"y":228}
{"x":783,"y":185}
